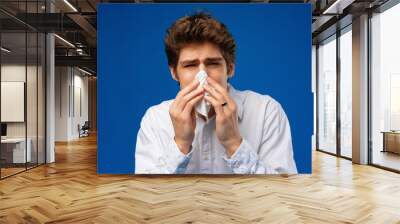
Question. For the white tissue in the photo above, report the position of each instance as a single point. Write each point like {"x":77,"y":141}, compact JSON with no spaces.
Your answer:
{"x":202,"y":107}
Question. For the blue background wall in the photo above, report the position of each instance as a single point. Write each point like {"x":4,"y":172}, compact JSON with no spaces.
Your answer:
{"x":273,"y":57}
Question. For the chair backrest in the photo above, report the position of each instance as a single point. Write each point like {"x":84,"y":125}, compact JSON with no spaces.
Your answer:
{"x":86,"y":125}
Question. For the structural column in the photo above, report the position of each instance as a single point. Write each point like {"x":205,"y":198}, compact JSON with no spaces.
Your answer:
{"x":50,"y":92}
{"x":360,"y":90}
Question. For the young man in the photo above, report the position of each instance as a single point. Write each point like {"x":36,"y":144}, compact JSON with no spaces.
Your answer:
{"x":243,"y":132}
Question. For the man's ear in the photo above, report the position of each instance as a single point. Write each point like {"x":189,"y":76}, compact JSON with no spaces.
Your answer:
{"x":173,"y":73}
{"x":231,"y":70}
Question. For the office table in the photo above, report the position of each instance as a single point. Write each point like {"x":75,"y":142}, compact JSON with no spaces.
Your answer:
{"x":13,"y":150}
{"x":391,"y":141}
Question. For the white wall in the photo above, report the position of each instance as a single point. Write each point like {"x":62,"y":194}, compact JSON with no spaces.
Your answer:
{"x":79,"y":117}
{"x":13,"y":100}
{"x":70,"y":84}
{"x":12,"y":73}
{"x":61,"y":103}
{"x":16,"y":73}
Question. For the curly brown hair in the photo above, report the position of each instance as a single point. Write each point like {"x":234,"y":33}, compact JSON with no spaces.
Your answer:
{"x":199,"y":28}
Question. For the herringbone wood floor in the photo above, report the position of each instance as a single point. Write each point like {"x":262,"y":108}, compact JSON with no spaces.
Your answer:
{"x":70,"y":191}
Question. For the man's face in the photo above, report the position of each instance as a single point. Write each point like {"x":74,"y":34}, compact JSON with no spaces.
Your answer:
{"x":201,"y":56}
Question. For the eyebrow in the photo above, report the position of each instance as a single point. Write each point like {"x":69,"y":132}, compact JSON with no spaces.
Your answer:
{"x":214,"y":59}
{"x":189,"y":62}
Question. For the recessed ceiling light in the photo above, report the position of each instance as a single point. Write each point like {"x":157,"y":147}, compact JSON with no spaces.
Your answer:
{"x":70,"y":5}
{"x":5,"y":50}
{"x":84,"y":71}
{"x":337,"y":7}
{"x":64,"y":40}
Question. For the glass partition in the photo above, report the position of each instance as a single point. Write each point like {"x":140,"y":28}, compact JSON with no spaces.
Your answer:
{"x":385,"y":89}
{"x":346,"y":92}
{"x":22,"y":89}
{"x":327,"y":95}
{"x":14,"y":153}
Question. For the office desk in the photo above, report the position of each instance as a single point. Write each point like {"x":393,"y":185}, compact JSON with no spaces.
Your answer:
{"x":391,"y":141}
{"x":13,"y":150}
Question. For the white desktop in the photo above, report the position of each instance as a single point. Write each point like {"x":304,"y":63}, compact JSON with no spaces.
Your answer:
{"x":16,"y":147}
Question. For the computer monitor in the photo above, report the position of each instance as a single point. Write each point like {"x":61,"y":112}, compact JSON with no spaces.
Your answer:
{"x":3,"y":129}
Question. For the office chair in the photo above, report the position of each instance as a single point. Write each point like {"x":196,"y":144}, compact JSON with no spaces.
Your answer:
{"x":84,"y":130}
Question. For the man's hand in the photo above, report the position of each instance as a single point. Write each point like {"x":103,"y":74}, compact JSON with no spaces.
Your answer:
{"x":227,"y":127}
{"x":183,"y":116}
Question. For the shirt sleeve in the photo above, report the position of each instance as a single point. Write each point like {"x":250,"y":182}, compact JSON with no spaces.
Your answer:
{"x":275,"y":153}
{"x":156,"y":153}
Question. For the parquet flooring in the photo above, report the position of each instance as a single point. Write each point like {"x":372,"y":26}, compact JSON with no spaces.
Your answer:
{"x":70,"y":191}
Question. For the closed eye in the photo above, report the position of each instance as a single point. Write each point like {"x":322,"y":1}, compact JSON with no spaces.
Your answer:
{"x":189,"y":65}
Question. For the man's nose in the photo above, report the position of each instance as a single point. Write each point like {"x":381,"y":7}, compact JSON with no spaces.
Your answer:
{"x":202,"y":67}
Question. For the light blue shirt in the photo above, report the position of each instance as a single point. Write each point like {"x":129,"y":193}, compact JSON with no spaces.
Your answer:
{"x":266,"y":147}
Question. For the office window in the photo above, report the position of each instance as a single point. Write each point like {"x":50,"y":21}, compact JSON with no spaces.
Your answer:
{"x":385,"y":88}
{"x":346,"y":92}
{"x":14,"y":153}
{"x":22,"y":91}
{"x":327,"y":95}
